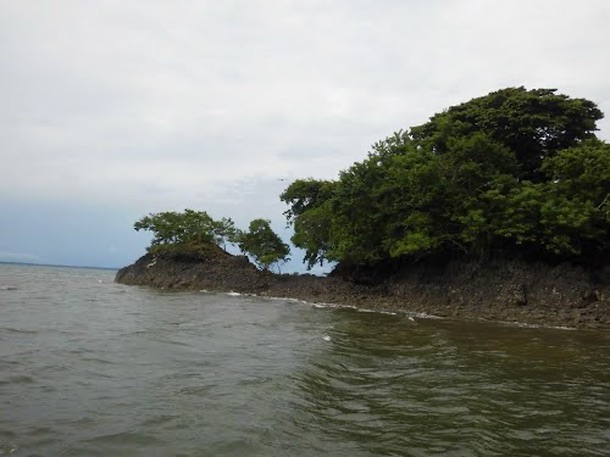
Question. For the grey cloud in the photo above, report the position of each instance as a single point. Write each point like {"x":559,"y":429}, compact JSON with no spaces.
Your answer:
{"x":135,"y":101}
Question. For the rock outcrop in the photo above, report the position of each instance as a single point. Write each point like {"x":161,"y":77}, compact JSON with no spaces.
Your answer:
{"x":533,"y":293}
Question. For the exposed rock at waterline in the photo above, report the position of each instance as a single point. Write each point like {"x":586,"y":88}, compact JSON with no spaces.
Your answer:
{"x":534,"y":293}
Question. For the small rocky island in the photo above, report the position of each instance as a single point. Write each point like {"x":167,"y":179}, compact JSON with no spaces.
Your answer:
{"x":507,"y":291}
{"x":494,"y":209}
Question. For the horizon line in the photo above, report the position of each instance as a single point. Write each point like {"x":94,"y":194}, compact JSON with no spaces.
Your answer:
{"x":35,"y":264}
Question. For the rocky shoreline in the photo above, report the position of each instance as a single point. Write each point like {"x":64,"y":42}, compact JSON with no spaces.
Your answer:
{"x":508,"y":291}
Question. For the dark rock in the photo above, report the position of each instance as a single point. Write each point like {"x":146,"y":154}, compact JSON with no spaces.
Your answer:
{"x":534,"y":293}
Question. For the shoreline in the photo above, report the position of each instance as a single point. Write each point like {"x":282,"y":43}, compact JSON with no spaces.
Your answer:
{"x":564,"y":296}
{"x":412,"y":315}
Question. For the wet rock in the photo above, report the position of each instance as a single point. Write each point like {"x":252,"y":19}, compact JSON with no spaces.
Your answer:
{"x":503,"y":290}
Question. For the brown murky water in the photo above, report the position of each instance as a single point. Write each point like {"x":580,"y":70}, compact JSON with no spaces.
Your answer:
{"x":88,"y":367}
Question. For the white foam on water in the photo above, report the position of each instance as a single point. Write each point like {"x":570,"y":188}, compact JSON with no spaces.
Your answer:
{"x":322,"y":305}
{"x":411,"y":316}
{"x":525,"y":325}
{"x":293,"y":300}
{"x":389,"y":313}
{"x":424,"y":316}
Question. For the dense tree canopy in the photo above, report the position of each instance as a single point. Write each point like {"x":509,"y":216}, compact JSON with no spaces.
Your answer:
{"x":188,"y":227}
{"x":175,"y":231}
{"x":534,"y":124}
{"x":516,"y":172}
{"x":170,"y":227}
{"x":310,"y":212}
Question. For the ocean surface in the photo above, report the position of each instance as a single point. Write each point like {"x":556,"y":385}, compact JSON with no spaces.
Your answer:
{"x":93,"y":368}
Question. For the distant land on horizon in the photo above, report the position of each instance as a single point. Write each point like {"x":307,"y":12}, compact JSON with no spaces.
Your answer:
{"x":33,"y":264}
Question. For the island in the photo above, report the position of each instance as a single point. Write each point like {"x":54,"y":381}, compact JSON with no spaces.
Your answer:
{"x":494,"y":209}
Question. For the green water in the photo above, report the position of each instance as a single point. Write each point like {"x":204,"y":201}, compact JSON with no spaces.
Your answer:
{"x":88,"y":367}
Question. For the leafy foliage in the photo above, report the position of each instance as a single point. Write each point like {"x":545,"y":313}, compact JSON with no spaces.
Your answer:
{"x":170,"y":227}
{"x":535,"y":124}
{"x":263,"y":244}
{"x":224,"y":232}
{"x":516,"y":172}
{"x":188,"y":228}
{"x":189,"y":232}
{"x":310,"y":211}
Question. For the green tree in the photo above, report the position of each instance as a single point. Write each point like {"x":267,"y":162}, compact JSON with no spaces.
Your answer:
{"x":224,"y":232}
{"x":515,"y":172}
{"x":576,"y":213}
{"x":263,"y":244}
{"x":535,"y":124}
{"x":188,"y":228}
{"x":310,"y":214}
{"x":170,"y":227}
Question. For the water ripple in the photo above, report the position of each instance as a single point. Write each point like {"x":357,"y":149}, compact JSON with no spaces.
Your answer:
{"x":91,"y":368}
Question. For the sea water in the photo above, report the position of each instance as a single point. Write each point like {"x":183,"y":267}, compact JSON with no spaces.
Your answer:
{"x":93,"y":368}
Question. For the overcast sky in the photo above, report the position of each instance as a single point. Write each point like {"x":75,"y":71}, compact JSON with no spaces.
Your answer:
{"x":113,"y":109}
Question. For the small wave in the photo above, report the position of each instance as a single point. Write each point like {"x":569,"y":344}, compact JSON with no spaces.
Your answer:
{"x":561,"y":327}
{"x":8,"y":288}
{"x":410,"y":315}
{"x":389,"y":313}
{"x":131,"y":438}
{"x":160,"y":420}
{"x":135,"y":332}
{"x":8,"y":448}
{"x":542,"y":326}
{"x":98,"y":360}
{"x":424,"y":316}
{"x":17,"y":330}
{"x":321,"y":305}
{"x":17,"y":379}
{"x":293,"y":300}
{"x":230,"y":294}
